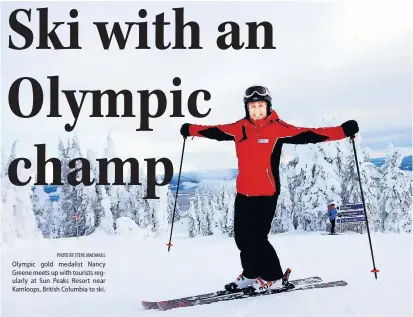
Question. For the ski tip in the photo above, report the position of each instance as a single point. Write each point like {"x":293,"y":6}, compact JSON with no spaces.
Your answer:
{"x":145,"y":304}
{"x":148,"y":305}
{"x":166,"y":305}
{"x":338,"y":283}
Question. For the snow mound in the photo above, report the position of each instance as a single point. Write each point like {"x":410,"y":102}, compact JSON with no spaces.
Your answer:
{"x":127,"y":227}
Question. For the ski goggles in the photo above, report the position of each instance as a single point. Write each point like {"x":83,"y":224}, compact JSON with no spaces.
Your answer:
{"x":259,"y":90}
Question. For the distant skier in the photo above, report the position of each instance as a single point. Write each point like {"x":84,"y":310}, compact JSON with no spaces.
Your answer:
{"x":332,"y":214}
{"x":258,"y":138}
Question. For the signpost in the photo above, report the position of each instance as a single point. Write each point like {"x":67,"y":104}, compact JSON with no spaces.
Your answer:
{"x":351,"y":213}
{"x":352,"y":206}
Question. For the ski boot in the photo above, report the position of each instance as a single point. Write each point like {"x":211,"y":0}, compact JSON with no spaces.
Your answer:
{"x":240,"y":283}
{"x":261,"y":285}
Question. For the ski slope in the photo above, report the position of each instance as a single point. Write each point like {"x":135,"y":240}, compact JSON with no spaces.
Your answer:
{"x":138,"y":269}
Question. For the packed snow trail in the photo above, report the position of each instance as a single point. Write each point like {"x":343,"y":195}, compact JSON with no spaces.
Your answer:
{"x":138,"y":269}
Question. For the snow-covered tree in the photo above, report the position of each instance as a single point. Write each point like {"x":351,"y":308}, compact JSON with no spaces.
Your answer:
{"x":101,"y":205}
{"x":317,"y":183}
{"x":203,"y":199}
{"x":160,"y":210}
{"x":12,"y":156}
{"x":43,"y":210}
{"x":125,"y":203}
{"x":89,"y":198}
{"x":56,"y":221}
{"x":229,"y":200}
{"x":106,"y":220}
{"x":395,"y":196}
{"x":216,"y":224}
{"x":222,"y":208}
{"x":283,"y":219}
{"x":18,"y":219}
{"x":113,"y":191}
{"x":193,"y":221}
{"x":78,"y":194}
{"x":143,"y":211}
{"x":95,"y":193}
{"x":171,"y":207}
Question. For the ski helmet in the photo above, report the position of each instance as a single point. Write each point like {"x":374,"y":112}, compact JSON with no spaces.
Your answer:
{"x":257,"y":93}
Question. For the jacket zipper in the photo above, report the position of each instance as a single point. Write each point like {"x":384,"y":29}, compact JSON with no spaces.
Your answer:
{"x":250,"y":161}
{"x":268,"y":174}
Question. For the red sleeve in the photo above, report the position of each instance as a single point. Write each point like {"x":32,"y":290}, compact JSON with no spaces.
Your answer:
{"x":300,"y":135}
{"x":221,"y":132}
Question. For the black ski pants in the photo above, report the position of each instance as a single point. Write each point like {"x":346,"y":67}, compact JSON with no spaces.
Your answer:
{"x":333,"y":225}
{"x":252,"y":224}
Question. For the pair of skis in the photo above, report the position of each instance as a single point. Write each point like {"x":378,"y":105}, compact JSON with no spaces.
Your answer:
{"x":221,"y":296}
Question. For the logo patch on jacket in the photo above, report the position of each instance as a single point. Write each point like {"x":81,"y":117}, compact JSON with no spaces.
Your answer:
{"x":262,"y":140}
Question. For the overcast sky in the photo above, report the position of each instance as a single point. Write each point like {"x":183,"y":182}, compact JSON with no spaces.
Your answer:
{"x":333,"y":62}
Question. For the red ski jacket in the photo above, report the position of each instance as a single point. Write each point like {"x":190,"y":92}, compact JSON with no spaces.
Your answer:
{"x":258,"y":147}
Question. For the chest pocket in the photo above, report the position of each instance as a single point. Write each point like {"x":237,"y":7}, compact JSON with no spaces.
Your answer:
{"x":251,"y":136}
{"x":244,"y":134}
{"x":243,"y":144}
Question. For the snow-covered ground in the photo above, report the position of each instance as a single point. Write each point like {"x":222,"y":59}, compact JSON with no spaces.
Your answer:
{"x":139,"y":269}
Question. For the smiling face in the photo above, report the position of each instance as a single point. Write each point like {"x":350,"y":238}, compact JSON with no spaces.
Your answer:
{"x":257,"y":110}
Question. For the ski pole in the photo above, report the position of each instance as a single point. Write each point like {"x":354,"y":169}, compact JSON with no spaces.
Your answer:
{"x":364,"y":206}
{"x":176,"y":195}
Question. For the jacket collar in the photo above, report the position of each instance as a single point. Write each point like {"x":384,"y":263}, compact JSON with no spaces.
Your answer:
{"x":271,"y":118}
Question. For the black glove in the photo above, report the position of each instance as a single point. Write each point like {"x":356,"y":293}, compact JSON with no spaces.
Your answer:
{"x":350,"y":128}
{"x":185,"y":130}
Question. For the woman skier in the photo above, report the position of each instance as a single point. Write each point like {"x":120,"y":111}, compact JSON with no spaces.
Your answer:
{"x":332,"y":214}
{"x":258,"y":138}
